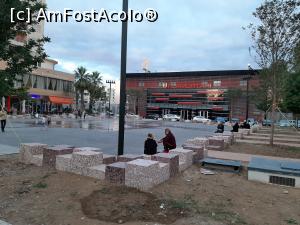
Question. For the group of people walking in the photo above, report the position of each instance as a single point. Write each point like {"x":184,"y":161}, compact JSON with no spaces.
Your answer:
{"x":169,"y":143}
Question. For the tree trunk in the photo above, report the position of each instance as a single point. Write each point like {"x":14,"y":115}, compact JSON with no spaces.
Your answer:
{"x":82,"y":107}
{"x":77,"y":99}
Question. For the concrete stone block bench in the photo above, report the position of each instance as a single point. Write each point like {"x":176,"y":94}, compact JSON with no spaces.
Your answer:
{"x":198,"y":152}
{"x":109,"y":159}
{"x":128,"y":157}
{"x":171,"y":159}
{"x":82,"y":160}
{"x":97,"y":172}
{"x":244,"y":131}
{"x":185,"y":158}
{"x":215,"y":144}
{"x":63,"y":162}
{"x":29,"y":150}
{"x":50,"y":153}
{"x":238,"y":135}
{"x":115,"y":173}
{"x":198,"y":141}
{"x":142,"y":174}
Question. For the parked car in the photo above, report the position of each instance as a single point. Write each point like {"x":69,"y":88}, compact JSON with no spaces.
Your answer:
{"x":171,"y":117}
{"x":235,"y":120}
{"x":267,"y":123}
{"x":284,"y":123}
{"x":201,"y":119}
{"x":221,"y":119}
{"x":153,"y":116}
{"x":251,"y":121}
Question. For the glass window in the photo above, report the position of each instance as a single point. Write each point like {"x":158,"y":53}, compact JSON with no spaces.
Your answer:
{"x":141,"y":84}
{"x":163,"y":84}
{"x":243,"y":83}
{"x":217,"y":83}
{"x":173,"y":84}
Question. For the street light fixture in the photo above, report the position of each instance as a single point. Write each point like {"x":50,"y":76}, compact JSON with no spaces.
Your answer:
{"x":110,"y":82}
{"x":247,"y":79}
{"x":123,"y":82}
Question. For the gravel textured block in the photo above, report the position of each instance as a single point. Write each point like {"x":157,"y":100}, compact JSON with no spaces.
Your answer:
{"x":185,"y":158}
{"x":97,"y":172}
{"x":142,"y":174}
{"x":109,"y":159}
{"x":115,"y":173}
{"x":37,"y":160}
{"x":81,"y":160}
{"x":87,"y":149}
{"x":50,"y":153}
{"x":27,"y":150}
{"x":63,"y":162}
{"x":172,"y":159}
{"x":129,"y":157}
{"x":198,"y":150}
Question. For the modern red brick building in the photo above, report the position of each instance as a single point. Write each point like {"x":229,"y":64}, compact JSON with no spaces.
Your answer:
{"x":192,"y":93}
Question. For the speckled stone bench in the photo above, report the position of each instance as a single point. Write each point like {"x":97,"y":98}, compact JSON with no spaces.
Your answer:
{"x":171,"y":159}
{"x":128,"y":157}
{"x":215,"y":144}
{"x":198,"y":141}
{"x":63,"y":162}
{"x":238,"y":135}
{"x":81,"y":160}
{"x":115,"y":173}
{"x":109,"y":159}
{"x":142,"y":174}
{"x":29,"y":152}
{"x":198,"y":152}
{"x":50,"y":153}
{"x":97,"y":172}
{"x":185,"y":158}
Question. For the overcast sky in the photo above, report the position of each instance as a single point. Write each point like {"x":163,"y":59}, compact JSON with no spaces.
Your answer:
{"x":189,"y":35}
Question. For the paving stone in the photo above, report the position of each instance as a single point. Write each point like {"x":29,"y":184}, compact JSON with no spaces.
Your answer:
{"x":27,"y":150}
{"x":63,"y":162}
{"x":115,"y":173}
{"x":142,"y":174}
{"x":172,"y":159}
{"x":37,"y":160}
{"x":50,"y":153}
{"x":129,"y":157}
{"x":97,"y":172}
{"x":185,"y":158}
{"x":109,"y":159}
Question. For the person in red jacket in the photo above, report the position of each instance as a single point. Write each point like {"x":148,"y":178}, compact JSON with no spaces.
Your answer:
{"x":168,"y":141}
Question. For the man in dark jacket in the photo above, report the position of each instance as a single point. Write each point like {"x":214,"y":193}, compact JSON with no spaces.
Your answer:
{"x":235,"y":127}
{"x":150,"y":146}
{"x":220,"y":128}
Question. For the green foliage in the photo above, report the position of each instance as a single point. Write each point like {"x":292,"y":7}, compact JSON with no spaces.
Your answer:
{"x":292,"y":93}
{"x":40,"y":185}
{"x":92,"y":82}
{"x":20,"y":58}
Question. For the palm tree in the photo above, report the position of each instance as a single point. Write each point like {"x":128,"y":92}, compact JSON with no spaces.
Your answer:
{"x":81,"y":83}
{"x":95,"y":88}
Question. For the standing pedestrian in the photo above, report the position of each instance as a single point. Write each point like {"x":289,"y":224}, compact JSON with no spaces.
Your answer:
{"x":3,"y":117}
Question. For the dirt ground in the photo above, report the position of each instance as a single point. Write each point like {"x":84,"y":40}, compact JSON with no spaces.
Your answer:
{"x":31,"y":195}
{"x":279,"y":151}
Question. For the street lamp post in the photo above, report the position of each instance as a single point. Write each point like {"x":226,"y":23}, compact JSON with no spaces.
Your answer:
{"x":110,"y":82}
{"x":123,"y":82}
{"x":248,"y":78}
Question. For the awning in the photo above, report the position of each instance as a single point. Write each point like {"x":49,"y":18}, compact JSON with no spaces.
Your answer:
{"x":61,"y":100}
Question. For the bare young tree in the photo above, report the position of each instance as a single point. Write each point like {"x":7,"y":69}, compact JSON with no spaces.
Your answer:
{"x":275,"y":36}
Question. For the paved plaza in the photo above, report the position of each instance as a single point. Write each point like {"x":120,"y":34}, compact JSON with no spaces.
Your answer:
{"x":96,"y":132}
